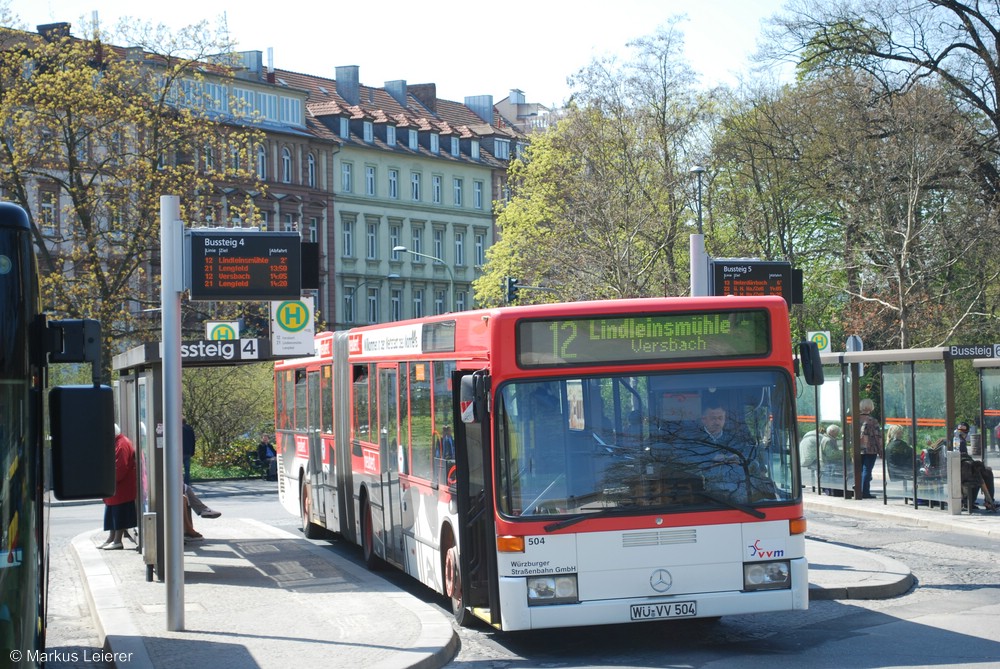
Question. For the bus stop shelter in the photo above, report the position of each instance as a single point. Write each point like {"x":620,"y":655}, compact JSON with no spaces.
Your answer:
{"x":912,"y":389}
{"x":139,"y":394}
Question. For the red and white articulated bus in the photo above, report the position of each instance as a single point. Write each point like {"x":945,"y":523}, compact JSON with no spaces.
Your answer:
{"x":561,"y":464}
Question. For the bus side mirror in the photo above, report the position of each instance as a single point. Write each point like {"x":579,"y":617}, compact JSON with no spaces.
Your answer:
{"x":82,"y":425}
{"x":474,"y":397}
{"x":467,"y":400}
{"x":812,"y":366}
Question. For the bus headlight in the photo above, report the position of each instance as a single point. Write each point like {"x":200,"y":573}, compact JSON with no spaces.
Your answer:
{"x":552,"y":590}
{"x":767,"y":575}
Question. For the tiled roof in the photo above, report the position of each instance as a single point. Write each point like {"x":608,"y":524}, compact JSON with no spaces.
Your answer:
{"x":449,"y":118}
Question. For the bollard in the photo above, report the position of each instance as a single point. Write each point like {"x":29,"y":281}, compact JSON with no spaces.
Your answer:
{"x":954,"y":472}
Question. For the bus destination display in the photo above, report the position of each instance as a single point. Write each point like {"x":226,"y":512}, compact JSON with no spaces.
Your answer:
{"x":228,"y":265}
{"x":643,"y":338}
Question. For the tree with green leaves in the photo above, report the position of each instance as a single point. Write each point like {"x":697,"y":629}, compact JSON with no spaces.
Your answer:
{"x":600,"y":201}
{"x":91,"y":136}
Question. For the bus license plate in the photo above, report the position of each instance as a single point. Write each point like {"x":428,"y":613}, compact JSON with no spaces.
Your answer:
{"x":659,"y":611}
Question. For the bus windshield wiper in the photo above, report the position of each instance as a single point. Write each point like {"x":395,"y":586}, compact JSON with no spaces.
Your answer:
{"x":749,"y":510}
{"x":618,"y":511}
{"x":625,"y":510}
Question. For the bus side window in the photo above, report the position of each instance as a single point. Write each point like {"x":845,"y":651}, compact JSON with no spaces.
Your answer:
{"x":362,"y":419}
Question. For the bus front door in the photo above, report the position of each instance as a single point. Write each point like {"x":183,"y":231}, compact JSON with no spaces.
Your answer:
{"x":474,"y":493}
{"x":388,"y":425}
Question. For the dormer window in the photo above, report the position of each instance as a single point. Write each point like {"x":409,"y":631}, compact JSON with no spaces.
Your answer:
{"x":474,"y":151}
{"x":369,"y":132}
{"x":345,"y":128}
{"x":390,"y":135}
{"x":455,"y":146}
{"x":502,"y":148}
{"x":413,"y":140}
{"x":435,"y":143}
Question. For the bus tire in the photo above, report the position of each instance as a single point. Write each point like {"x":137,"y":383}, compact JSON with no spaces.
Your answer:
{"x":310,"y":530}
{"x":372,"y":560}
{"x":453,"y":587}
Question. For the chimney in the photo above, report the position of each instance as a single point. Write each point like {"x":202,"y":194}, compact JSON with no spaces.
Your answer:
{"x":482,"y":105}
{"x":427,"y":94}
{"x":397,"y":89}
{"x":347,"y":83}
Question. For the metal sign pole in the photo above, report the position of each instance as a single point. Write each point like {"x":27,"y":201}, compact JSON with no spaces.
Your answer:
{"x":171,"y":286}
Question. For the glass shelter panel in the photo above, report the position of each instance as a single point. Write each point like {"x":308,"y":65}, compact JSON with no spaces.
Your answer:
{"x":822,"y":446}
{"x":990,"y":389}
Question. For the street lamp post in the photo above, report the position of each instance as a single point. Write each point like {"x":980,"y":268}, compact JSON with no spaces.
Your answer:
{"x":699,"y":259}
{"x":698,"y":170}
{"x":451,"y":274}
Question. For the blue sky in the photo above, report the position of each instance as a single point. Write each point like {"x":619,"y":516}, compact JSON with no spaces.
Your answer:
{"x":539,"y":44}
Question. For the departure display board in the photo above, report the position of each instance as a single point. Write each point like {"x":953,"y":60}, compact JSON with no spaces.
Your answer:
{"x":571,"y":342}
{"x":752,"y":278}
{"x":241,"y":265}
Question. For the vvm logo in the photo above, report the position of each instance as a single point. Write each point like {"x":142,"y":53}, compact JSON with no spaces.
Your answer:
{"x":756,"y":550}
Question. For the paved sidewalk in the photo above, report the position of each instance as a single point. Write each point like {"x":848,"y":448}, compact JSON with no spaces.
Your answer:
{"x":259,"y":596}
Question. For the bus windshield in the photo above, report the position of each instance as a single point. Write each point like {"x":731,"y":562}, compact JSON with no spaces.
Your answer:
{"x":677,"y":441}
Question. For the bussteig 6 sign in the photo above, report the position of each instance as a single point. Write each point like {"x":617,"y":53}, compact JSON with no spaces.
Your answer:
{"x":242,"y":265}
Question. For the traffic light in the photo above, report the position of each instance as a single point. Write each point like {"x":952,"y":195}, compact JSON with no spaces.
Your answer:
{"x":510,"y":288}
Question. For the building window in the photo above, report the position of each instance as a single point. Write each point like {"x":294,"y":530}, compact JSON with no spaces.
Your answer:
{"x":369,"y":180}
{"x":502,"y":147}
{"x":413,"y":140}
{"x":457,"y":184}
{"x":286,"y":166}
{"x":348,"y":239}
{"x":373,"y":305}
{"x":455,"y":146}
{"x":289,"y":223}
{"x":439,"y":243}
{"x":397,"y":304}
{"x":435,"y":143}
{"x":265,"y":220}
{"x":346,"y":177}
{"x":415,"y":186}
{"x":291,"y":111}
{"x":267,"y":105}
{"x":49,"y":205}
{"x":436,"y":189}
{"x":480,"y":250}
{"x":345,"y":128}
{"x":439,"y":304}
{"x":418,"y":240}
{"x":459,"y":248}
{"x":369,"y":132}
{"x":390,"y":135}
{"x":474,"y":149}
{"x":393,"y":184}
{"x":418,"y":303}
{"x":460,"y":301}
{"x":372,"y":241}
{"x":477,"y":194}
{"x":262,"y":162}
{"x":310,"y":231}
{"x":311,"y":170}
{"x":394,"y":232}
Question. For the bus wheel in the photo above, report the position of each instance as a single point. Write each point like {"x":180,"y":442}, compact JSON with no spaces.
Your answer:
{"x":309,"y":529}
{"x":372,"y":560}
{"x":453,"y":586}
